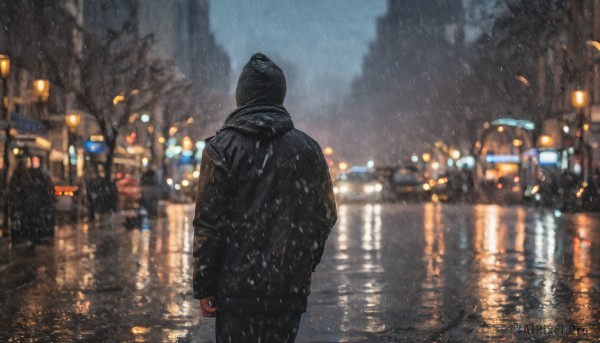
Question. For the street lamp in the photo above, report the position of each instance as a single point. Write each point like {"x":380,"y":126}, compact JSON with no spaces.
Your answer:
{"x":517,"y":142}
{"x":41,"y":88}
{"x":545,"y":141}
{"x":4,"y":71}
{"x":186,"y":143}
{"x":579,"y":100}
{"x":426,"y":157}
{"x":72,"y":121}
{"x":455,"y":154}
{"x":328,"y":151}
{"x":4,"y":65}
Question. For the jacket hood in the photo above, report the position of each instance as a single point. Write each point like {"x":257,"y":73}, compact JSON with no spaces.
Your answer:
{"x":261,"y":81}
{"x":264,"y":120}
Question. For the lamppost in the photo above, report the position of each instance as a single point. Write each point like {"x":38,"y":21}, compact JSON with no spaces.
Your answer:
{"x":579,"y":100}
{"x":425,"y":158}
{"x":518,"y":143}
{"x":41,"y":88}
{"x":72,"y":121}
{"x":4,"y":70}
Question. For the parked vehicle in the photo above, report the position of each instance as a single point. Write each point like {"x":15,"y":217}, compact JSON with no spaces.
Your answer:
{"x":358,"y":184}
{"x":407,"y":183}
{"x":450,"y":187}
{"x":68,"y":201}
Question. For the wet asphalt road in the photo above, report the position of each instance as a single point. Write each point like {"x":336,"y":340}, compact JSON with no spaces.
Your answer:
{"x":416,"y":272}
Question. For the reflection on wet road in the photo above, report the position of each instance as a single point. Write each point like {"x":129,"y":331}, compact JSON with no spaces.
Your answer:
{"x":103,"y":283}
{"x":456,"y":273}
{"x":390,"y":273}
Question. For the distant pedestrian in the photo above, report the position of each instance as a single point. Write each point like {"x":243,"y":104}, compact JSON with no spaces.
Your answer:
{"x":32,"y":205}
{"x":44,"y":204}
{"x":89,"y":180}
{"x":151,"y":193}
{"x":19,"y":186}
{"x":264,"y":209}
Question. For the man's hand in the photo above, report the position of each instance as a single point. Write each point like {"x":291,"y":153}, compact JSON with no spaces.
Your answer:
{"x":206,"y":307}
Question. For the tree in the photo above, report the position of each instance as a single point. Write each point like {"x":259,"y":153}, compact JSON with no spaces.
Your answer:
{"x":519,"y":69}
{"x":120,"y":77}
{"x":110,"y":71}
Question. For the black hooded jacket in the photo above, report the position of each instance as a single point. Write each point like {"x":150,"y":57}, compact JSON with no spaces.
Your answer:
{"x":264,"y":209}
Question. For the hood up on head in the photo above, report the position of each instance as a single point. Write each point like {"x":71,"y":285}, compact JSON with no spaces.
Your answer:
{"x":259,"y":95}
{"x":261,"y":81}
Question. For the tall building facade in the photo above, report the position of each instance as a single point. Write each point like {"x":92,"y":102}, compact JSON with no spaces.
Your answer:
{"x":180,"y":30}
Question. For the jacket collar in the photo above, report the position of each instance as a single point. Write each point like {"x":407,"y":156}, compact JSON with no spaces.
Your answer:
{"x":263,"y":119}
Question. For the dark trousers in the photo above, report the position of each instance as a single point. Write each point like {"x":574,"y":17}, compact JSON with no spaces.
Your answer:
{"x":233,"y":327}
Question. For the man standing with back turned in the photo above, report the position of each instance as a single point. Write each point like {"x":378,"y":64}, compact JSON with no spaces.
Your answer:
{"x":264,"y":209}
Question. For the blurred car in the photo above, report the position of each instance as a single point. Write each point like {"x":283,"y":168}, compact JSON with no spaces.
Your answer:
{"x":358,"y":184}
{"x":509,"y":190}
{"x":407,"y":183}
{"x":448,"y":187}
{"x":68,"y":201}
{"x":182,"y":191}
{"x":505,"y":190}
{"x":130,"y":191}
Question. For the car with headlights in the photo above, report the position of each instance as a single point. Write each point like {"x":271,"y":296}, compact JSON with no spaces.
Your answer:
{"x":407,"y":183}
{"x":357,"y":185}
{"x":443,"y":188}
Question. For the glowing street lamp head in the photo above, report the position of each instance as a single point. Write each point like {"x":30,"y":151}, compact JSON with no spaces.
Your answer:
{"x":41,"y":88}
{"x":73,"y":120}
{"x":517,"y":142}
{"x":546,"y":141}
{"x":4,"y":66}
{"x":328,"y":151}
{"x":186,"y":143}
{"x":579,"y":99}
{"x":426,"y":157}
{"x":455,"y":154}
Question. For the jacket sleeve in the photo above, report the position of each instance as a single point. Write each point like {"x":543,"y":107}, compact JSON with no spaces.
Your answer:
{"x":212,"y":203}
{"x":326,"y":212}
